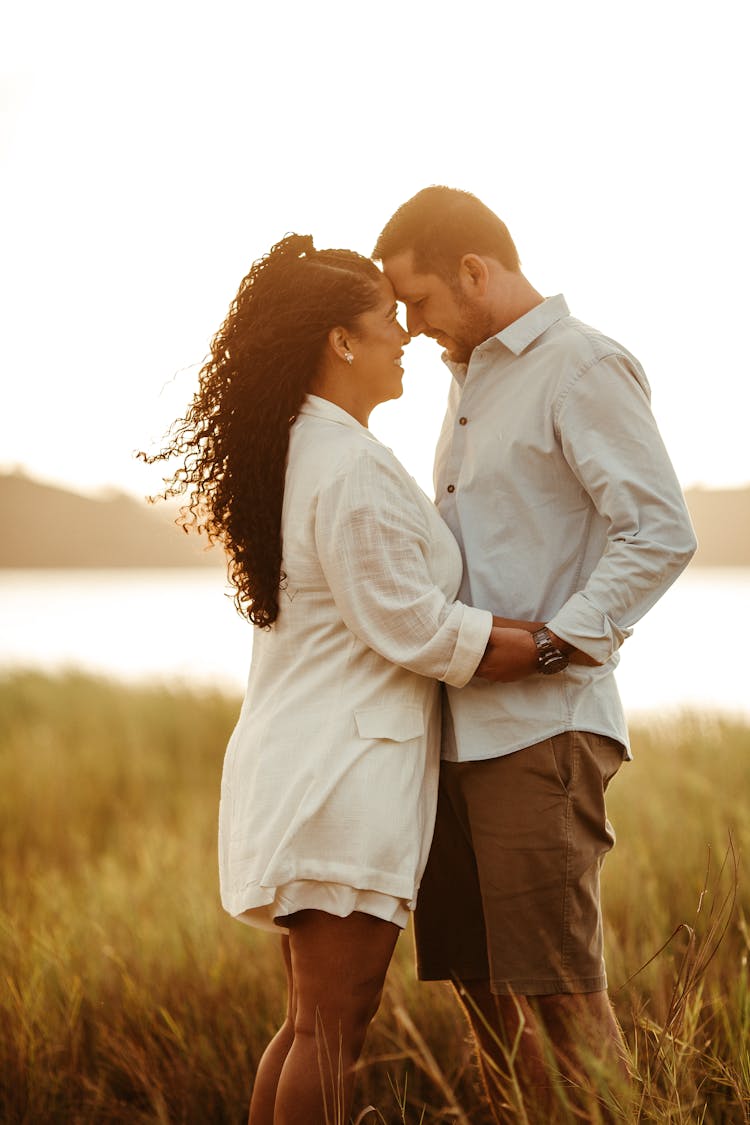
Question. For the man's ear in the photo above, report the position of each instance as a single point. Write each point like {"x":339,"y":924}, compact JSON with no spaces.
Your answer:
{"x":473,"y":275}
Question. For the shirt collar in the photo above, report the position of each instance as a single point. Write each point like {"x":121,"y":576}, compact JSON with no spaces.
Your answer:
{"x":522,"y":332}
{"x":317,"y":407}
{"x":533,"y":324}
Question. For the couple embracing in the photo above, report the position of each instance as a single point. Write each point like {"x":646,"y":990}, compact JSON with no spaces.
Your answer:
{"x":355,"y":788}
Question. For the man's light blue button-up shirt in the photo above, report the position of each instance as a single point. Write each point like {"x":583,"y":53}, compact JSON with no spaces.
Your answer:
{"x":553,"y":477}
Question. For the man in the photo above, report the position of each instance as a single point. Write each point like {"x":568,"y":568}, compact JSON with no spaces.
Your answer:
{"x":552,"y":475}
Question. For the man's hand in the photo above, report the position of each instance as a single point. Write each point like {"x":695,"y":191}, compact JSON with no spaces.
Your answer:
{"x":510,"y":655}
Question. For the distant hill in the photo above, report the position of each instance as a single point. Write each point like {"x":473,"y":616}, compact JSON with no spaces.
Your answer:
{"x":45,"y":526}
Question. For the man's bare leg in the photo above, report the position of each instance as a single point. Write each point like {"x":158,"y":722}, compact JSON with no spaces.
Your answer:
{"x":511,"y":1052}
{"x":539,"y":1049}
{"x":582,"y":1027}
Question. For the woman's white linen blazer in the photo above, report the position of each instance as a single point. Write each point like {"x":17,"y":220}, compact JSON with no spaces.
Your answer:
{"x":331,"y":772}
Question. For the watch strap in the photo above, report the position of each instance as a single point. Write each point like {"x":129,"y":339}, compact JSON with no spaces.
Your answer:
{"x":550,"y":659}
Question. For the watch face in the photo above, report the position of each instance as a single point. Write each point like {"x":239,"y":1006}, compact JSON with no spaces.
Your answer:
{"x":552,"y":662}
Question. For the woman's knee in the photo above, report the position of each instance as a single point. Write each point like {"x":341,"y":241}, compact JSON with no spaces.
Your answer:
{"x":344,"y":1012}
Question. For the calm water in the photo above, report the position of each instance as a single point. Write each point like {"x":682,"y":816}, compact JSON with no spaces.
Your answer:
{"x":181,"y":626}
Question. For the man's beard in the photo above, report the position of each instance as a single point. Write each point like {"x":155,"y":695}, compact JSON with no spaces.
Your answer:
{"x":474,"y":327}
{"x":459,"y":353}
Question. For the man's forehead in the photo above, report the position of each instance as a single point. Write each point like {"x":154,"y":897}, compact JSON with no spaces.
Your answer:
{"x":405,"y":278}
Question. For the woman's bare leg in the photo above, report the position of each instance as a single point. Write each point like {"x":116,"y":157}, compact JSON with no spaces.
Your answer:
{"x":263,"y":1098}
{"x":338,"y":969}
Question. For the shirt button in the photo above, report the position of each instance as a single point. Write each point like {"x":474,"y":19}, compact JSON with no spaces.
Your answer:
{"x":462,"y":421}
{"x":451,"y":488}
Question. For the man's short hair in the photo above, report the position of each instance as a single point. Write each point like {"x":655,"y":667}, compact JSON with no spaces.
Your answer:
{"x":440,"y":225}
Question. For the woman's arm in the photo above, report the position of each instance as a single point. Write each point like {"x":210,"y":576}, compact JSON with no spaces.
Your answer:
{"x":374,"y":541}
{"x":511,"y":623}
{"x":510,"y":655}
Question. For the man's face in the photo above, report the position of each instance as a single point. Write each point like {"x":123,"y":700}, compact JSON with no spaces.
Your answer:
{"x":437,"y":309}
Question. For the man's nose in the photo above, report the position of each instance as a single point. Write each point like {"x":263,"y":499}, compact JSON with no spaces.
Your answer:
{"x":414,"y":321}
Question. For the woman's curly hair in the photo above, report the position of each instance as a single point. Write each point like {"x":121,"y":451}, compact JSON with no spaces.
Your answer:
{"x":234,"y":438}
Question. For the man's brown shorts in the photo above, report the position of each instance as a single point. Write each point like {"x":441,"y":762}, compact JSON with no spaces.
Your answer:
{"x":511,"y":890}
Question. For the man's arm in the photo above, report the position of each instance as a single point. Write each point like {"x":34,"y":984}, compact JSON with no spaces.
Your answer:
{"x":511,"y":654}
{"x":610,"y":440}
{"x":575,"y":654}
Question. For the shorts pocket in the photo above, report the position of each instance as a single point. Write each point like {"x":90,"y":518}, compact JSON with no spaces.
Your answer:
{"x":563,"y":753}
{"x":608,"y":755}
{"x":396,"y":724}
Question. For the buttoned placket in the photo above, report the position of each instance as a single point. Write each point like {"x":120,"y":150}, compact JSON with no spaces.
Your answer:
{"x":481,"y":360}
{"x":456,"y":455}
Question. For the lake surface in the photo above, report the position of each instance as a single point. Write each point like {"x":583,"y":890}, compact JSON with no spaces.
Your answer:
{"x":181,"y":627}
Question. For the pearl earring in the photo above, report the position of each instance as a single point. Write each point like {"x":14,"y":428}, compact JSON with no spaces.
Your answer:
{"x":348,"y":357}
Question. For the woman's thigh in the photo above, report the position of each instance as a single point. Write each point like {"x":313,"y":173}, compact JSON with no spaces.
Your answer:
{"x":338,"y":968}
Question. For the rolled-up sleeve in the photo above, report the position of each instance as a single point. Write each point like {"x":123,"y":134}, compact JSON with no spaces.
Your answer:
{"x":611,"y":442}
{"x":372,"y":542}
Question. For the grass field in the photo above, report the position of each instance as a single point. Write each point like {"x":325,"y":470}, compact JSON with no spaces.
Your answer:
{"x":128,"y":996}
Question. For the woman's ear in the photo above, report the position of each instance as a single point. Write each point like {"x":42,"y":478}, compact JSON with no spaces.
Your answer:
{"x":338,"y":339}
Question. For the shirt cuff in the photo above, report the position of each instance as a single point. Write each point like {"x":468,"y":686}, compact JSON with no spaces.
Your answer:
{"x":588,"y":628}
{"x":471,"y":642}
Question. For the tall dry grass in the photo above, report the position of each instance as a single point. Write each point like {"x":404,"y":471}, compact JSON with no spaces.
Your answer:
{"x":127,"y":995}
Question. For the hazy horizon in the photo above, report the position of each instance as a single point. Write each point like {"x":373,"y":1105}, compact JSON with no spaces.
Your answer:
{"x":105,"y":490}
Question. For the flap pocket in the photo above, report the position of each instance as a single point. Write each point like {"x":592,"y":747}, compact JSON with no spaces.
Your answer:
{"x":398,"y":724}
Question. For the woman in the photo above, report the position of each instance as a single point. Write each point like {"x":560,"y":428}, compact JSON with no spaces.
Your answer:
{"x":330,"y":777}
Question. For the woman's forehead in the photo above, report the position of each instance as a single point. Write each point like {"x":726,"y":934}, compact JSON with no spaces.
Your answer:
{"x":387,"y":291}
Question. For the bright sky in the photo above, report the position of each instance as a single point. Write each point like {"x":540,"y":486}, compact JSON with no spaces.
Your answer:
{"x":151,"y":150}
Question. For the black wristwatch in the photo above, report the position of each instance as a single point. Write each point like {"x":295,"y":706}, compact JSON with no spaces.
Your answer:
{"x":549,"y":657}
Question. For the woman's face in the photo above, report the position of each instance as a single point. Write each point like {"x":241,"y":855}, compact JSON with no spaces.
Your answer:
{"x":378,"y":343}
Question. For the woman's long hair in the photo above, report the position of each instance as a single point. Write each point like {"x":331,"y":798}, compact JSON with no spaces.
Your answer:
{"x":234,"y":438}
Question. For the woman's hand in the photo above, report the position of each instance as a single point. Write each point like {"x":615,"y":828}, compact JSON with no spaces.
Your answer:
{"x":510,"y":655}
